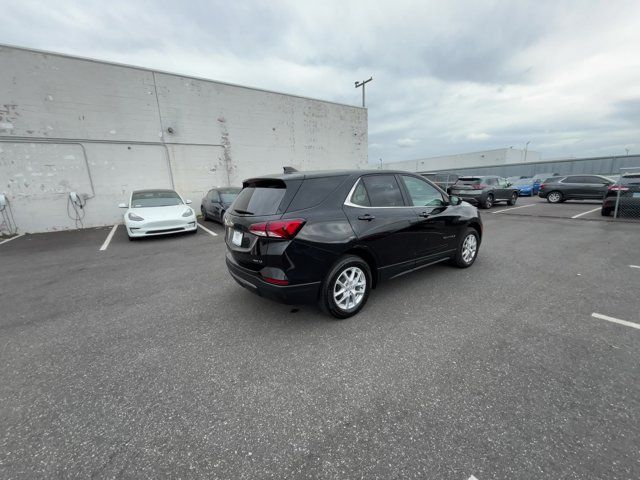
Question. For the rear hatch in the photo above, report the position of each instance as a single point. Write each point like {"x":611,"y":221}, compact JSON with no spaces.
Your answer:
{"x":261,"y":201}
{"x":269,"y":213}
{"x":467,"y":185}
{"x":627,"y":187}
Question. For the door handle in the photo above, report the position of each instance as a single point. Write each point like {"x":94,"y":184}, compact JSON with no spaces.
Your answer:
{"x":366,"y":217}
{"x":424,"y":214}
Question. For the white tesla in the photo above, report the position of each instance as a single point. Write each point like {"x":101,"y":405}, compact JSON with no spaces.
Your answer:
{"x":158,"y":212}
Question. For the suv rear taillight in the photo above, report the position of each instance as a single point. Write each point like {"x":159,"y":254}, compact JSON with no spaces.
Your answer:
{"x":479,"y":187}
{"x":542,"y":186}
{"x":285,"y":229}
{"x":615,"y":188}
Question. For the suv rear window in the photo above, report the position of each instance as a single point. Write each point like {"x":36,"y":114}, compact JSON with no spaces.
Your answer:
{"x":313,"y":191}
{"x":630,"y":179}
{"x":468,"y":180}
{"x":260,"y":198}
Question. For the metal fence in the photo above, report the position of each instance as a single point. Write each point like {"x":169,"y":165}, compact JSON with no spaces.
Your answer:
{"x":623,"y":198}
{"x":588,"y":166}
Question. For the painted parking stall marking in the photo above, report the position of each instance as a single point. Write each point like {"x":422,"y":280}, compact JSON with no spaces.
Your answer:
{"x":207,"y":230}
{"x":513,"y":208}
{"x":634,"y":266}
{"x":12,"y":238}
{"x":615,"y":320}
{"x":105,"y":245}
{"x":587,"y":212}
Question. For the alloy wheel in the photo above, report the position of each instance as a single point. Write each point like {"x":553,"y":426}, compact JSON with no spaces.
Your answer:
{"x":554,"y":197}
{"x":469,"y":248}
{"x":489,"y":201}
{"x":349,"y":288}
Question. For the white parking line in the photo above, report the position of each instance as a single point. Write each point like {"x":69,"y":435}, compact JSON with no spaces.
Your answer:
{"x":584,"y":213}
{"x":207,"y":230}
{"x":472,"y":478}
{"x":514,"y":208}
{"x":109,"y":237}
{"x":615,"y":320}
{"x":634,"y":266}
{"x":12,"y":238}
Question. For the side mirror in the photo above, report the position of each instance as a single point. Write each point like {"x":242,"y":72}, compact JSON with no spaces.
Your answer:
{"x":123,"y":205}
{"x":455,"y":200}
{"x":188,"y":202}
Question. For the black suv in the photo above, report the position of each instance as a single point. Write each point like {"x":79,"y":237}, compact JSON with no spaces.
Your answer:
{"x":485,"y":191}
{"x":330,"y":237}
{"x":626,"y":193}
{"x":575,"y":187}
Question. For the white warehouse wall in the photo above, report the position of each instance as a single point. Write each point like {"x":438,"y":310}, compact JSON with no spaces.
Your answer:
{"x":500,"y":156}
{"x":71,"y":124}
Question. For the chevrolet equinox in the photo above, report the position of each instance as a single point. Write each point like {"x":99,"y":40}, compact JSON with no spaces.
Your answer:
{"x":330,"y":237}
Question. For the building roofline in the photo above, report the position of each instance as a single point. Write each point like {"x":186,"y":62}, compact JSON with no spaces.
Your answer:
{"x":539,"y":162}
{"x":165,"y":72}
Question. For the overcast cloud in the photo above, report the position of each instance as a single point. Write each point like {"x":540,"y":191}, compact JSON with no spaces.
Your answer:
{"x":449,"y":77}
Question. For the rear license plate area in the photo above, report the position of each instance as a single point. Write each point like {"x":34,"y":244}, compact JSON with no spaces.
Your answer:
{"x":236,"y":238}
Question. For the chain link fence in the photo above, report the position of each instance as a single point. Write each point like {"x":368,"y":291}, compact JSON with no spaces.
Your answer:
{"x":622,"y":200}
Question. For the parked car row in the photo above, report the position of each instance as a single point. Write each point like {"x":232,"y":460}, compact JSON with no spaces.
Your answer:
{"x":331,"y":237}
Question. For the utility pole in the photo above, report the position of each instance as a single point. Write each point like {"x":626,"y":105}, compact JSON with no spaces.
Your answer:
{"x":627,"y":151}
{"x":526,"y":146}
{"x":361,"y":84}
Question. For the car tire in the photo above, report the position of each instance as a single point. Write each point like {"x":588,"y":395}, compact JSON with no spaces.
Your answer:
{"x":605,"y":212}
{"x":331,"y":301}
{"x":204,"y":213}
{"x":132,"y":239}
{"x":489,"y":201}
{"x":468,"y":247}
{"x":555,"y":197}
{"x":514,"y":198}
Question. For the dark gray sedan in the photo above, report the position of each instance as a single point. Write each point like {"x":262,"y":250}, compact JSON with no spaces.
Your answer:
{"x":216,"y":202}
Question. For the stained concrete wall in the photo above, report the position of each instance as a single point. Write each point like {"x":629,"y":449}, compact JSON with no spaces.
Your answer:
{"x":70,"y":124}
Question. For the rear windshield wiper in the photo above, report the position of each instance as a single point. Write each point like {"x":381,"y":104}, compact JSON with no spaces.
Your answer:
{"x":242,"y":211}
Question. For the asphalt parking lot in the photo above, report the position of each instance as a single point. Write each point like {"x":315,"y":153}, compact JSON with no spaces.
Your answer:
{"x":571,"y":209}
{"x":145,"y":360}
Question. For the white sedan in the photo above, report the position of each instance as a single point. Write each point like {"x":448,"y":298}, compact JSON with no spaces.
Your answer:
{"x":158,"y":212}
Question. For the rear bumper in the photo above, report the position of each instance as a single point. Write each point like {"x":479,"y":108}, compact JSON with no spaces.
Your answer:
{"x":624,"y":203}
{"x":289,"y":294}
{"x":472,"y":199}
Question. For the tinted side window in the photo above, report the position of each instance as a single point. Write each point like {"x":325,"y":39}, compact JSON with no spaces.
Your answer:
{"x":503,"y":182}
{"x":572,"y":179}
{"x":383,"y":191}
{"x":593,"y":180}
{"x":360,"y":196}
{"x":313,"y":191}
{"x":490,"y":181}
{"x":422,"y":193}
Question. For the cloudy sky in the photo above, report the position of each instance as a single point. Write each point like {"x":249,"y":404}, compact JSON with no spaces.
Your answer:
{"x":449,"y":77}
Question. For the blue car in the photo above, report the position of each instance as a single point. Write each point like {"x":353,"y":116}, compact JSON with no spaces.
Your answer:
{"x":527,"y":187}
